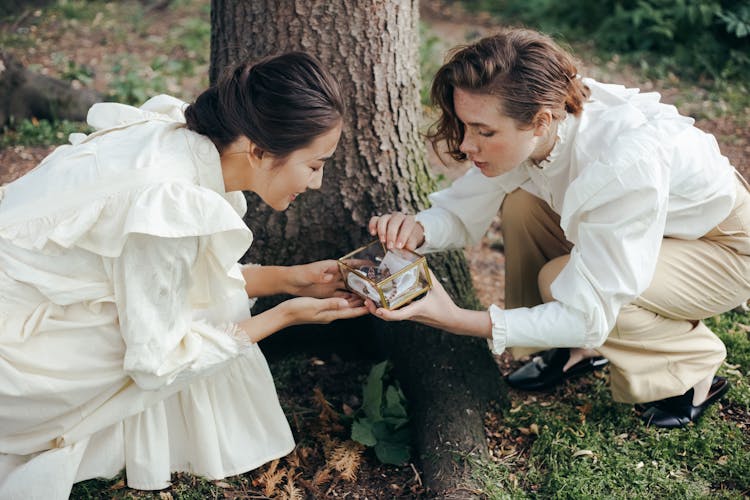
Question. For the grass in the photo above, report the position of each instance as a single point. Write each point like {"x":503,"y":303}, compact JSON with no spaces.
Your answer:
{"x":588,"y":446}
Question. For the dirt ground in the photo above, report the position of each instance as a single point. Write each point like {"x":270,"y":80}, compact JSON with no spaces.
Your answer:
{"x":325,"y":463}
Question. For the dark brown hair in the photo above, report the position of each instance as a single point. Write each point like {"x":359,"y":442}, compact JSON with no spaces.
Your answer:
{"x":281,"y":103}
{"x":524,"y":69}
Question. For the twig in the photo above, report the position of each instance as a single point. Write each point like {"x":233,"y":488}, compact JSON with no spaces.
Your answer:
{"x":416,"y":474}
{"x":18,"y":21}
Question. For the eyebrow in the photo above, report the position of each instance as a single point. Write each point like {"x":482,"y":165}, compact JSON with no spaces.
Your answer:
{"x":477,"y":124}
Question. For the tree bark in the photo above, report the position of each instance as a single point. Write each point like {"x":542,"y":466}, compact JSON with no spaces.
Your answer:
{"x":371,"y":47}
{"x":25,"y":94}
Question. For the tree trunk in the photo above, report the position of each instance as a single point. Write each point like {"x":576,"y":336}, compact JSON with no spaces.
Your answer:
{"x":24,"y":94}
{"x":371,"y":47}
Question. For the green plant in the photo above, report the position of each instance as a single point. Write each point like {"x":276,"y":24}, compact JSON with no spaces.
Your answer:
{"x":35,"y":132}
{"x":382,"y":422}
{"x":698,"y":37}
{"x":73,"y":71}
{"x":132,"y":87}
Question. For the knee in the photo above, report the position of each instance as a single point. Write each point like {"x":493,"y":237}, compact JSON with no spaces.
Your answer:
{"x":519,"y":207}
{"x":547,"y":275}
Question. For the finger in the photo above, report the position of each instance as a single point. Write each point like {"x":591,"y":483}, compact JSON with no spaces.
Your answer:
{"x":373,"y":224}
{"x":407,"y":226}
{"x":338,"y":283}
{"x":356,"y":301}
{"x":349,"y":313}
{"x":347,"y":296}
{"x":330,"y":266}
{"x":333,"y":304}
{"x":383,"y":222}
{"x":391,"y":315}
{"x":370,"y":305}
{"x":415,"y":239}
{"x":393,"y":228}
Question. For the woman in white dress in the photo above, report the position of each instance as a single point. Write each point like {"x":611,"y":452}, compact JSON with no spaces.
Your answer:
{"x":125,"y":333}
{"x":623,"y":226}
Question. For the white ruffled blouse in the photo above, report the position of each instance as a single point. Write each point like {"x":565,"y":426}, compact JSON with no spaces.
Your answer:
{"x":622,"y":176}
{"x":119,"y":297}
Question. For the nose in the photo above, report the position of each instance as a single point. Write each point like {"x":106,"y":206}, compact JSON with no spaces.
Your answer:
{"x":316,"y":180}
{"x":468,"y":145}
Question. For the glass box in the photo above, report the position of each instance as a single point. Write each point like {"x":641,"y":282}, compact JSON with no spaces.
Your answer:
{"x":390,"y":278}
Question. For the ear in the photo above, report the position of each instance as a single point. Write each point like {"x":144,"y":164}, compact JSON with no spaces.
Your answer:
{"x":256,"y":151}
{"x":542,"y":121}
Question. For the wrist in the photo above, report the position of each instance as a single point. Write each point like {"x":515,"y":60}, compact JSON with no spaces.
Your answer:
{"x":285,"y":279}
{"x":472,"y":323}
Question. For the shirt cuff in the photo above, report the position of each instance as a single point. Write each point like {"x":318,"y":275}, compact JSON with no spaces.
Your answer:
{"x":499,"y":329}
{"x":438,"y":234}
{"x":251,"y":300}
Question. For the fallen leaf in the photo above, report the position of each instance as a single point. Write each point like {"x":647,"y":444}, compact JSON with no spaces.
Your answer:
{"x":118,"y":485}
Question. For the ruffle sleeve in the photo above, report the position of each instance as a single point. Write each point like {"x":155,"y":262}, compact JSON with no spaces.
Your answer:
{"x":164,"y":342}
{"x":462,"y":213}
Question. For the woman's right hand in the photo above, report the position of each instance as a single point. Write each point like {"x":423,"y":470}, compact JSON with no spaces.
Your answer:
{"x":397,"y":230}
{"x":306,"y":310}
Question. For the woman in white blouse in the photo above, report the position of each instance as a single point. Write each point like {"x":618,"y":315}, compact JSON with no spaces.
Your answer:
{"x":623,"y":226}
{"x":125,"y":333}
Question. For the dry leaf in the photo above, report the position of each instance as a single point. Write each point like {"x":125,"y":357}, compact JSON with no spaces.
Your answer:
{"x":165,"y":495}
{"x":327,"y":414}
{"x":118,"y":485}
{"x":271,"y":478}
{"x":583,"y":453}
{"x":291,"y":491}
{"x":346,"y":459}
{"x":222,"y":484}
{"x":321,"y":477}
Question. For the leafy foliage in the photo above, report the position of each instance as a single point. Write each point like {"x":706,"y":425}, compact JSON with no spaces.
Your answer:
{"x":39,"y":132}
{"x":382,"y":422}
{"x":697,"y":37}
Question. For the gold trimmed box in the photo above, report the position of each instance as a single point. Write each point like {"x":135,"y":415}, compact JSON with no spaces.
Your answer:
{"x":390,"y":278}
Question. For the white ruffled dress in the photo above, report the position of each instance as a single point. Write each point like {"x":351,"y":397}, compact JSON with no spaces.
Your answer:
{"x":119,"y":295}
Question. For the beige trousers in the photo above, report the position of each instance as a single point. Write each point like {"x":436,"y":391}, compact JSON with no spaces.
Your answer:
{"x":659,"y":346}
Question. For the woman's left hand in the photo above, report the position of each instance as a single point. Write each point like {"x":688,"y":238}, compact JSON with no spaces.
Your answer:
{"x":319,"y":279}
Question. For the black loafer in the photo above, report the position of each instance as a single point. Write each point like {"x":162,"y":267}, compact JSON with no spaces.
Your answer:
{"x":546,"y":370}
{"x":679,"y":411}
